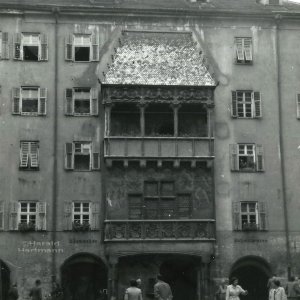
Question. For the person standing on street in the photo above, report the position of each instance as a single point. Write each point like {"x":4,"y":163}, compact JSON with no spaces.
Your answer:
{"x":13,"y":292}
{"x":292,"y":289}
{"x":234,"y":290}
{"x":36,"y":292}
{"x":162,"y":290}
{"x":133,"y":292}
{"x":221,"y":291}
{"x":271,"y":280}
{"x":277,"y":293}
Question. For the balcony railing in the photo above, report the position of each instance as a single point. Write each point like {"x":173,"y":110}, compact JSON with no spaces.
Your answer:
{"x":158,"y":147}
{"x":151,"y":230}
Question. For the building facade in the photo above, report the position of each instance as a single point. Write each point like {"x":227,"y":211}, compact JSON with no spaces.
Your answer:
{"x":140,"y":139}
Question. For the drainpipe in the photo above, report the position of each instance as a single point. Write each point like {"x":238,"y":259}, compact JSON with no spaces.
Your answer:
{"x":281,"y":146}
{"x":55,"y":129}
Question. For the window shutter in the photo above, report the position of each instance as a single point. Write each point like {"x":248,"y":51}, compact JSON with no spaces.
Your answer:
{"x":257,"y":104}
{"x":44,"y":47}
{"x":95,"y":216}
{"x":42,"y":207}
{"x":17,"y":46}
{"x":263,"y":221}
{"x":69,"y":102}
{"x":1,"y":215}
{"x":69,"y":156}
{"x":236,"y":208}
{"x":234,"y":162}
{"x":42,"y":109}
{"x":95,"y":47}
{"x":34,"y":154}
{"x":16,"y":101}
{"x":5,"y":46}
{"x":24,"y":154}
{"x":69,"y":48}
{"x":13,"y":216}
{"x":68,"y":216}
{"x":259,"y":158}
{"x":233,"y":104}
{"x":96,"y":157}
{"x":94,"y":101}
{"x":298,"y":106}
{"x":239,"y":49}
{"x":248,"y":49}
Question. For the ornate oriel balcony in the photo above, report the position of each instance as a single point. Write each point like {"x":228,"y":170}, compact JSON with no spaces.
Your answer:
{"x":167,"y":230}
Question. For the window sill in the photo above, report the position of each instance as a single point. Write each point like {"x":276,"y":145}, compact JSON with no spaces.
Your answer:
{"x":250,"y":63}
{"x":29,"y":169}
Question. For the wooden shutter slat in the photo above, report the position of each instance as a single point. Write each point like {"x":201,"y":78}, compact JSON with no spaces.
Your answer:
{"x":95,"y":47}
{"x":67,"y":216}
{"x":259,"y":158}
{"x":69,"y":102}
{"x":42,"y":209}
{"x":69,"y":156}
{"x":234,"y":157}
{"x":236,"y":209}
{"x":257,"y":104}
{"x":24,"y":154}
{"x":263,"y":221}
{"x":69,"y":48}
{"x":95,"y":222}
{"x":248,"y":49}
{"x":239,"y":49}
{"x":17,"y":46}
{"x":94,"y":101}
{"x":16,"y":101}
{"x":5,"y":46}
{"x":34,"y":155}
{"x":44,"y":47}
{"x":13,"y":216}
{"x":234,"y":104}
{"x":42,"y":105}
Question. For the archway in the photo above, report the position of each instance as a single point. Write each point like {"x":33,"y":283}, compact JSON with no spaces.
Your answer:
{"x":84,"y":276}
{"x":5,"y":280}
{"x":181,"y":274}
{"x":253,"y":273}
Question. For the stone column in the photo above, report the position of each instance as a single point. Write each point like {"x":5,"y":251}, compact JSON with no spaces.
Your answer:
{"x":107,"y":120}
{"x":113,"y":278}
{"x":175,"y":107}
{"x":142,"y":107}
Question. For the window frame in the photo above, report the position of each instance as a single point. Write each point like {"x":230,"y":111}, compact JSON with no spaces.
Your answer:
{"x":28,"y":213}
{"x":243,"y":51}
{"x":82,"y":213}
{"x":27,"y":157}
{"x":248,"y":214}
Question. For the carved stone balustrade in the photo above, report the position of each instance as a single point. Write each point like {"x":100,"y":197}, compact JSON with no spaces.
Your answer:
{"x":167,"y":230}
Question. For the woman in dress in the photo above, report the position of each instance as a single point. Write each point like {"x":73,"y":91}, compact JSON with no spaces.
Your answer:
{"x":233,"y":290}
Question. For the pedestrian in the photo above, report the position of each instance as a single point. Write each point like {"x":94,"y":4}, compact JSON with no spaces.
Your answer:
{"x":277,"y":293}
{"x":13,"y":292}
{"x":234,"y":290}
{"x":133,"y":292}
{"x":292,"y":289}
{"x":162,"y":290}
{"x":35,"y":293}
{"x":221,"y":291}
{"x":139,"y":283}
{"x":270,"y":284}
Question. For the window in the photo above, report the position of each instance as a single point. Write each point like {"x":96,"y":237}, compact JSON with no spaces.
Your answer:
{"x":243,"y":48}
{"x":159,"y":201}
{"x":247,"y":157}
{"x":27,"y":215}
{"x":31,"y":47}
{"x":81,"y":156}
{"x":30,"y":101}
{"x":4,"y":45}
{"x":81,"y":102}
{"x":82,"y":48}
{"x":81,"y":215}
{"x":29,"y":155}
{"x":246,"y":104}
{"x":249,"y":216}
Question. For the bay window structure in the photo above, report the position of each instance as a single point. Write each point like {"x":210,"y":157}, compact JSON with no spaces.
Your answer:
{"x":249,"y":216}
{"x":81,"y":156}
{"x":29,"y":101}
{"x":29,"y":155}
{"x":246,"y":104}
{"x":82,"y":47}
{"x":27,"y":215}
{"x":81,"y":101}
{"x":247,"y":157}
{"x":30,"y":47}
{"x":243,"y":50}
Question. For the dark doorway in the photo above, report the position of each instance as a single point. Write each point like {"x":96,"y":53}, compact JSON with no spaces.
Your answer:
{"x":181,"y":274}
{"x":84,"y":277}
{"x":5,"y":280}
{"x":253,"y":276}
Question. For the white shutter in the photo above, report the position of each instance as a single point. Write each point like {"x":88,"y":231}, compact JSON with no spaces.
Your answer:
{"x":298,"y":105}
{"x":43,"y":55}
{"x":263,"y":220}
{"x":5,"y":46}
{"x":95,"y":157}
{"x":236,"y":210}
{"x":69,"y":102}
{"x":69,"y":55}
{"x":1,"y":215}
{"x":95,"y":216}
{"x":13,"y":216}
{"x":17,"y":46}
{"x":69,"y":156}
{"x":260,"y":165}
{"x":95,"y":47}
{"x":234,"y":159}
{"x":94,"y":102}
{"x":233,"y":104}
{"x":42,"y":105}
{"x":68,"y":216}
{"x":42,"y":209}
{"x":24,"y":154}
{"x":34,"y":154}
{"x":239,"y":49}
{"x":16,"y":101}
{"x":257,"y":104}
{"x":248,"y":49}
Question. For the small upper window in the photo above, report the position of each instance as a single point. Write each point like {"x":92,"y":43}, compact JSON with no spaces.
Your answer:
{"x":29,"y":100}
{"x":243,"y":48}
{"x":31,"y":47}
{"x":82,"y":48}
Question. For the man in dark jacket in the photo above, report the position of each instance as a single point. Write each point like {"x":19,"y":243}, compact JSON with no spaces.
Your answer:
{"x":13,"y":292}
{"x":36,"y":292}
{"x":162,"y":290}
